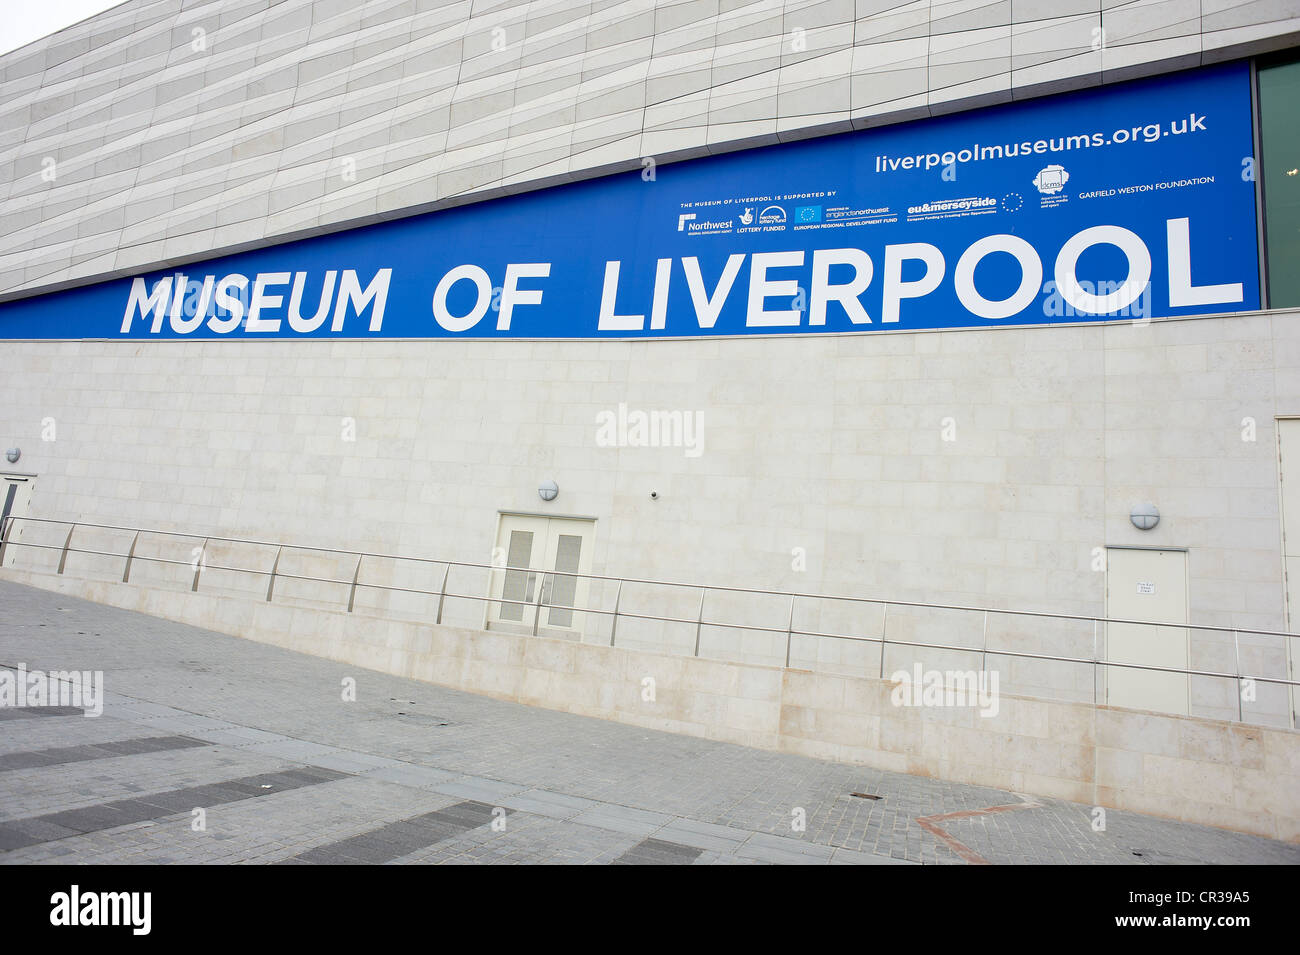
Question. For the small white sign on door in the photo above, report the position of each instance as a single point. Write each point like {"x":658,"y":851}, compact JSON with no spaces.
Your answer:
{"x":1146,"y":587}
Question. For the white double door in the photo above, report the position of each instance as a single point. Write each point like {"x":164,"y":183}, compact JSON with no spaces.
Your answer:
{"x":15,"y":496}
{"x":533,"y":588}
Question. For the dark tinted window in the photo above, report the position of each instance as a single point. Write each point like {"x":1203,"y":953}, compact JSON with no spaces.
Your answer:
{"x":1279,"y":118}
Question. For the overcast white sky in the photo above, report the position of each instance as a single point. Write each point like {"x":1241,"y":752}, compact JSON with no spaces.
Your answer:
{"x":22,"y":21}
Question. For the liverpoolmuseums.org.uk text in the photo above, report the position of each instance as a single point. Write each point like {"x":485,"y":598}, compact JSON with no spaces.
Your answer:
{"x":976,"y":152}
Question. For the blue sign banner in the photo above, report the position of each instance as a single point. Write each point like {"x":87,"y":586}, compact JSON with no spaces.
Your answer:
{"x":1125,"y":202}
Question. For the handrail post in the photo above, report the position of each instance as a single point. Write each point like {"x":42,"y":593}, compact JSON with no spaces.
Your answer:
{"x":884,"y":638}
{"x":198,"y":566}
{"x":270,"y":586}
{"x":537,"y":607}
{"x":984,"y":653}
{"x":356,"y":574}
{"x":613,"y":627}
{"x":1236,"y":655}
{"x":1094,"y":661}
{"x":789,"y":632}
{"x":442,"y":592}
{"x":63,"y":558}
{"x":699,"y":620}
{"x":130,"y":556}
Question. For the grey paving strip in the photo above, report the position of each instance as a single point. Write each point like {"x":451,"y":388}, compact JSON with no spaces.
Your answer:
{"x":416,"y":777}
{"x":704,"y":835}
{"x":477,"y":787}
{"x":399,"y":838}
{"x":33,"y":712}
{"x":769,"y":848}
{"x":18,"y":833}
{"x":634,"y":822}
{"x":31,"y":759}
{"x":658,"y":852}
{"x":527,"y":840}
{"x":544,"y":803}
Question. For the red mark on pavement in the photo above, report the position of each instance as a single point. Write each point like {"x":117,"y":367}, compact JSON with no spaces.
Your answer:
{"x":931,"y":824}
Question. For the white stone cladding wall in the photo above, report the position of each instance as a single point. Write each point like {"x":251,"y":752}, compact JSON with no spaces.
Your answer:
{"x":828,"y":443}
{"x":179,"y":129}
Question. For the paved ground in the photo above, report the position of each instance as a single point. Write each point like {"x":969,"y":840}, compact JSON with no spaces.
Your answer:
{"x":285,"y":771}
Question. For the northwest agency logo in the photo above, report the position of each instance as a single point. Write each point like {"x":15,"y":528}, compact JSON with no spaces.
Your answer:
{"x":75,"y":907}
{"x":1051,"y":179}
{"x":651,"y":429}
{"x":80,"y":688}
{"x":966,"y":688}
{"x":688,"y":223}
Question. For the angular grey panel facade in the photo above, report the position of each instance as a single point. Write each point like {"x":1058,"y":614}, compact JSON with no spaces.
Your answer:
{"x":161,"y":131}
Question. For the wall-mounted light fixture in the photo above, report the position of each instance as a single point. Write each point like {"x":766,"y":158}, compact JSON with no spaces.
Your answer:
{"x":1144,"y":516}
{"x":12,"y":455}
{"x":548,"y":491}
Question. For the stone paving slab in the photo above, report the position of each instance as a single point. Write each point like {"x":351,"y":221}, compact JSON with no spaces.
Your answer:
{"x":574,"y":790}
{"x":472,"y":787}
{"x":555,"y":805}
{"x":703,"y":835}
{"x":658,"y":852}
{"x":623,"y":819}
{"x":419,"y":777}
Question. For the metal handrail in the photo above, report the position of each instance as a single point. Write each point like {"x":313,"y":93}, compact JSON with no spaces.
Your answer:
{"x":642,"y":580}
{"x":699,"y":621}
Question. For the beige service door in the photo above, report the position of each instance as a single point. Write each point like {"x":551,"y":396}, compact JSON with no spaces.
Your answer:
{"x":532,"y":549}
{"x":15,"y":496}
{"x":1146,"y":585}
{"x":1288,"y":441}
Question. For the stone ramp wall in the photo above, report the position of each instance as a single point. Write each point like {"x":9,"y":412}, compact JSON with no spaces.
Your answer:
{"x":1217,"y":773}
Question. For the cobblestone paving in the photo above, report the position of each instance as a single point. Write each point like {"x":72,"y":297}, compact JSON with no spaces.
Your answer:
{"x":413,"y":756}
